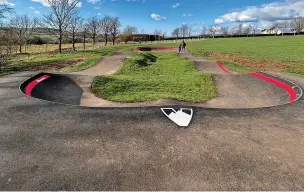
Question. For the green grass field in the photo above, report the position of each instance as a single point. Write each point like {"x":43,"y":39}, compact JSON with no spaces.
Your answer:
{"x":255,"y":53}
{"x":283,"y":54}
{"x":67,"y":62}
{"x":153,"y":76}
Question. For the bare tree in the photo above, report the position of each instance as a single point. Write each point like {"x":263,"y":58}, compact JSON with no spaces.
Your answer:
{"x":253,"y":28}
{"x":130,"y":29}
{"x":106,"y":27}
{"x":247,"y":30}
{"x":7,"y":43}
{"x":283,"y":26}
{"x":84,"y":32}
{"x":164,"y":35}
{"x":184,"y":30}
{"x":92,"y":26}
{"x":297,"y":24}
{"x":23,"y":26}
{"x":115,"y":28}
{"x":75,"y":27}
{"x":224,"y":30}
{"x":128,"y":33}
{"x":203,"y":31}
{"x":213,"y":30}
{"x":276,"y":28}
{"x":239,"y":29}
{"x":3,"y":10}
{"x":176,"y":33}
{"x":157,"y":34}
{"x":189,"y":31}
{"x":60,"y":16}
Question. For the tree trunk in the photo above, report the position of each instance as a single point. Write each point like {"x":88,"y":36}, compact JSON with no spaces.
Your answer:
{"x":113,"y":40}
{"x":84,"y":41}
{"x":93,"y":41}
{"x":73,"y":40}
{"x":60,"y":40}
{"x":106,"y":39}
{"x":20,"y":42}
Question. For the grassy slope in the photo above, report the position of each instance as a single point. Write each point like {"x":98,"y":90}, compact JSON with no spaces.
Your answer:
{"x":146,"y":77}
{"x":74,"y":61}
{"x":96,"y":56}
{"x":287,"y":50}
{"x":78,"y":60}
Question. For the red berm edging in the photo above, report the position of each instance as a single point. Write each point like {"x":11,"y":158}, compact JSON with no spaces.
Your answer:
{"x":225,"y":70}
{"x":289,"y":90}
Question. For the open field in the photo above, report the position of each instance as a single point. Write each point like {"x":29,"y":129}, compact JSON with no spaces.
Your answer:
{"x":283,"y":54}
{"x":46,"y":48}
{"x":54,"y":47}
{"x":68,"y":62}
{"x":72,"y":61}
{"x":153,"y":76}
{"x":255,"y":53}
{"x":55,"y":61}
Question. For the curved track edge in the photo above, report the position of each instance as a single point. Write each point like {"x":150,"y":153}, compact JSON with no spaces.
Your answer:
{"x":62,"y":89}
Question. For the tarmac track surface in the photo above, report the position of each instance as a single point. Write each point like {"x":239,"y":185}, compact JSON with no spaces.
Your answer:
{"x":50,"y":146}
{"x":253,"y":90}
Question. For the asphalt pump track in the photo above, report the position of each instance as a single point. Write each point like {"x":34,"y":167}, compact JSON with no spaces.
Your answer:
{"x":234,"y":90}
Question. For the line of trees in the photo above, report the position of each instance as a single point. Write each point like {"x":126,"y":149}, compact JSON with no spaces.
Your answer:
{"x":183,"y":31}
{"x":64,"y":22}
{"x":68,"y":22}
{"x":295,"y":26}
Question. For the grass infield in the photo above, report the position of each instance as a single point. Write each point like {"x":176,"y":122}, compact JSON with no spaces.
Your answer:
{"x":153,"y":76}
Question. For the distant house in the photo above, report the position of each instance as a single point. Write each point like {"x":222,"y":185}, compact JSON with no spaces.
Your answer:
{"x":273,"y":30}
{"x":296,"y":31}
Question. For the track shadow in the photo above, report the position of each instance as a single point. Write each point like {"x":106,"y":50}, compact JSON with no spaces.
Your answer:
{"x":146,"y":59}
{"x":57,"y":88}
{"x":145,"y":49}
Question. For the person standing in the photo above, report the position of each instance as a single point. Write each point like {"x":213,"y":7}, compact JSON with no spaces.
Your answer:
{"x":183,"y":45}
{"x":180,"y":47}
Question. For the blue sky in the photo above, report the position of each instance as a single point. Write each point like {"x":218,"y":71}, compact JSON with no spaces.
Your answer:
{"x":166,"y":15}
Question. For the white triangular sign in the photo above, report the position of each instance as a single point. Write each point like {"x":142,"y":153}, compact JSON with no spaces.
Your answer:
{"x":182,"y":117}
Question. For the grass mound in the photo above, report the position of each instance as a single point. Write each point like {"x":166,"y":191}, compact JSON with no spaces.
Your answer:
{"x":147,"y":76}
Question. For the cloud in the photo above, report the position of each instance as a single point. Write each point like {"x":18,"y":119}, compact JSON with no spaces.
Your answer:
{"x":187,"y":15}
{"x":157,"y":17}
{"x":31,"y":7}
{"x":93,"y":1}
{"x":44,"y":3}
{"x":266,"y":12}
{"x":37,"y":12}
{"x":176,"y":5}
{"x":6,"y":2}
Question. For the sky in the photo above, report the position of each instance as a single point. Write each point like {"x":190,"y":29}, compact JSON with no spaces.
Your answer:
{"x":165,"y":15}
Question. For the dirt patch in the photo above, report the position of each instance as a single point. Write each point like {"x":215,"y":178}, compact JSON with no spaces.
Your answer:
{"x":262,"y":65}
{"x":118,"y":53}
{"x":156,"y":49}
{"x":64,"y":64}
{"x":58,"y":65}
